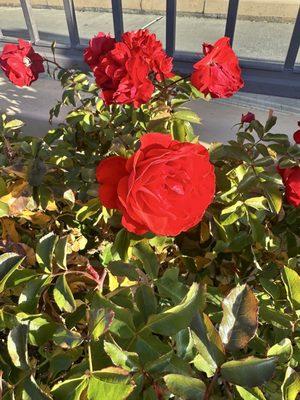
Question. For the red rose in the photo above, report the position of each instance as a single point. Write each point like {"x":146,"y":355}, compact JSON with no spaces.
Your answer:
{"x":152,"y":52}
{"x":98,"y":46}
{"x":165,"y":187}
{"x":122,"y":70}
{"x":247,"y":118}
{"x":20,"y":63}
{"x":291,"y":181}
{"x":297,"y":135}
{"x":218,"y":73}
{"x":123,"y":77}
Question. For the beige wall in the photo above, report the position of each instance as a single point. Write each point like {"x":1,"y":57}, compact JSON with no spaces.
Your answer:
{"x":286,"y":9}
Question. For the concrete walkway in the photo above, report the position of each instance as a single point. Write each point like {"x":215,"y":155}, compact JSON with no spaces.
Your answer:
{"x":218,"y":116}
{"x":255,"y":39}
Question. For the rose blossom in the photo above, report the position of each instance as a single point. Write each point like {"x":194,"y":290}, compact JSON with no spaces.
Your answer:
{"x":291,"y":181}
{"x":122,"y":70}
{"x":20,"y":63}
{"x":98,"y":45}
{"x":164,"y":187}
{"x":218,"y":73}
{"x":247,"y":118}
{"x":297,"y":135}
{"x":152,"y":50}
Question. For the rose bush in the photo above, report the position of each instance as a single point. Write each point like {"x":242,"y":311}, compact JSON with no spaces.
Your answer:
{"x":135,"y":262}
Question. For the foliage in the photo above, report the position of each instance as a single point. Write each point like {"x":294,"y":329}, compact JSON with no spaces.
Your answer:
{"x":90,"y":310}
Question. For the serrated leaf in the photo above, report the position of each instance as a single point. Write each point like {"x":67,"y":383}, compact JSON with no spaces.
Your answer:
{"x":187,"y":115}
{"x":250,"y":394}
{"x":45,"y":250}
{"x":63,"y":295}
{"x":240,"y":318}
{"x":17,"y":342}
{"x":143,"y":251}
{"x":61,"y":252}
{"x":282,"y":350}
{"x":145,"y":301}
{"x":115,"y":386}
{"x":121,"y":358}
{"x":100,"y":321}
{"x":67,"y":339}
{"x":120,"y":268}
{"x":185,"y":387}
{"x":171,"y":321}
{"x":291,"y":385}
{"x":208,"y":343}
{"x":258,"y":203}
{"x":9,"y":262}
{"x":31,"y":390}
{"x":249,"y":372}
{"x":291,"y":281}
{"x":70,"y":389}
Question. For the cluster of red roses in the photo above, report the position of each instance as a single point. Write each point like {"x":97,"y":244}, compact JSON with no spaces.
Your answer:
{"x":123,"y":69}
{"x":166,"y":186}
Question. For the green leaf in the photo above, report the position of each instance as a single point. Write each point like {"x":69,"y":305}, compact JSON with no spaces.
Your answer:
{"x":115,"y":385}
{"x":275,"y":317}
{"x":119,"y":268}
{"x":143,"y":251}
{"x":61,"y":252}
{"x":185,"y":387}
{"x":209,"y":346}
{"x":145,"y":301}
{"x":187,"y":115}
{"x":67,"y":339}
{"x":291,"y":385}
{"x":17,"y":342}
{"x":171,"y":321}
{"x":121,"y":244}
{"x":29,"y":297}
{"x":121,"y":358}
{"x":4,"y":209}
{"x":258,"y":203}
{"x":249,"y":372}
{"x":70,"y":389}
{"x":250,"y":394}
{"x":274,"y":197}
{"x":14,"y":124}
{"x":270,"y":123}
{"x":100,"y":321}
{"x":240,"y":318}
{"x":9,"y":262}
{"x":91,"y":208}
{"x":63,"y":295}
{"x":41,"y":330}
{"x":31,"y":390}
{"x":282,"y":350}
{"x":45,"y":250}
{"x":291,"y":281}
{"x":159,"y":364}
{"x":276,"y":137}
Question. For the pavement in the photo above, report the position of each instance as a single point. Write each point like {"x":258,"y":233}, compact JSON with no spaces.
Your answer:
{"x":254,"y":39}
{"x":32,"y":104}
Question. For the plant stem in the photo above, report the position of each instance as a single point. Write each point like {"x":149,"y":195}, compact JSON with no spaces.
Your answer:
{"x":90,"y":356}
{"x":53,"y":62}
{"x":210,"y":387}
